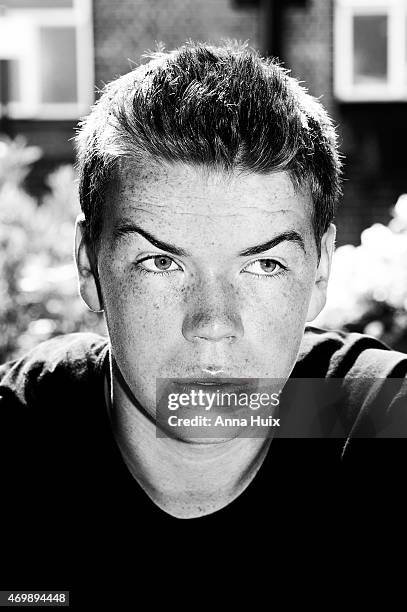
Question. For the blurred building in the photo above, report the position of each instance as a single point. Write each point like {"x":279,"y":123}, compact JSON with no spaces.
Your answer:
{"x":46,"y":74}
{"x":352,"y":53}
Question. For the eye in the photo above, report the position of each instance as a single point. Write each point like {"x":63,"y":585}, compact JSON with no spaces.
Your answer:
{"x":158,"y":264}
{"x":265,"y":267}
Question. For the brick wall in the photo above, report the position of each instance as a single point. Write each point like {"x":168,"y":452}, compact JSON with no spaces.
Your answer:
{"x":374,"y":167}
{"x":307,"y":40}
{"x":125,"y":29}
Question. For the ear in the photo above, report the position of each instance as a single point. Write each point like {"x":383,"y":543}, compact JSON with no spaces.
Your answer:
{"x":318,"y":296}
{"x":87,"y":277}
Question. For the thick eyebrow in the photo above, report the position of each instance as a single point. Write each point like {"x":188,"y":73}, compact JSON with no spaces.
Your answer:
{"x":126,"y":228}
{"x":288,"y":236}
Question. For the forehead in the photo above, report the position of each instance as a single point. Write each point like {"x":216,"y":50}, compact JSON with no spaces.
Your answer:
{"x":176,"y":193}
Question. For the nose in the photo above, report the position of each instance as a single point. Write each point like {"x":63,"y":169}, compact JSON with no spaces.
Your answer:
{"x":212,"y":314}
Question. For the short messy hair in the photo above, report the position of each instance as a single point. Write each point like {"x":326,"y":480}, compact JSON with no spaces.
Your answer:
{"x":224,"y":107}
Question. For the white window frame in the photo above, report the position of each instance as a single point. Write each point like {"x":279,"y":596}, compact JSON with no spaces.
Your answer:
{"x":23,"y":44}
{"x":395,"y":88}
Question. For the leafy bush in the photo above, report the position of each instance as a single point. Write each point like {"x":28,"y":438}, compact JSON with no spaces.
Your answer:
{"x":38,"y":287}
{"x":368,"y":287}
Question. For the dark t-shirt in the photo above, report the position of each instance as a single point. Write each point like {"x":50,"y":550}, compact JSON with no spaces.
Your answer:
{"x":71,"y":508}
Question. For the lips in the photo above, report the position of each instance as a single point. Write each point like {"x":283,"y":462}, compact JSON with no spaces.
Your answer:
{"x":230,"y":385}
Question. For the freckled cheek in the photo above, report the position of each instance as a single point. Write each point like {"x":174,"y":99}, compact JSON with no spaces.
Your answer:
{"x":146,"y":309}
{"x":275,"y":312}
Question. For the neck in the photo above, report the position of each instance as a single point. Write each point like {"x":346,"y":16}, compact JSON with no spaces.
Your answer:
{"x":184,"y":478}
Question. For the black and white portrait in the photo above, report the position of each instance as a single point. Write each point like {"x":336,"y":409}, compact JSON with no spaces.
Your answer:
{"x":203,"y":279}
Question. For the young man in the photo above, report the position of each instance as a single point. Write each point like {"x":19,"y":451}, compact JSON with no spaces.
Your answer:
{"x":208,"y":185}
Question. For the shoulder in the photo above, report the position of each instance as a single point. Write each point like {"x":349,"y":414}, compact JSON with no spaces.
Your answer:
{"x":57,"y":363}
{"x":338,"y":354}
{"x":368,"y":379}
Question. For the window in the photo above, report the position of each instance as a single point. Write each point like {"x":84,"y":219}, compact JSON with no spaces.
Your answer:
{"x":370,"y":57}
{"x":49,"y":51}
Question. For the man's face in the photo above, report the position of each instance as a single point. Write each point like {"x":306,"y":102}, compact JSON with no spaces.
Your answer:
{"x":213,"y":296}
